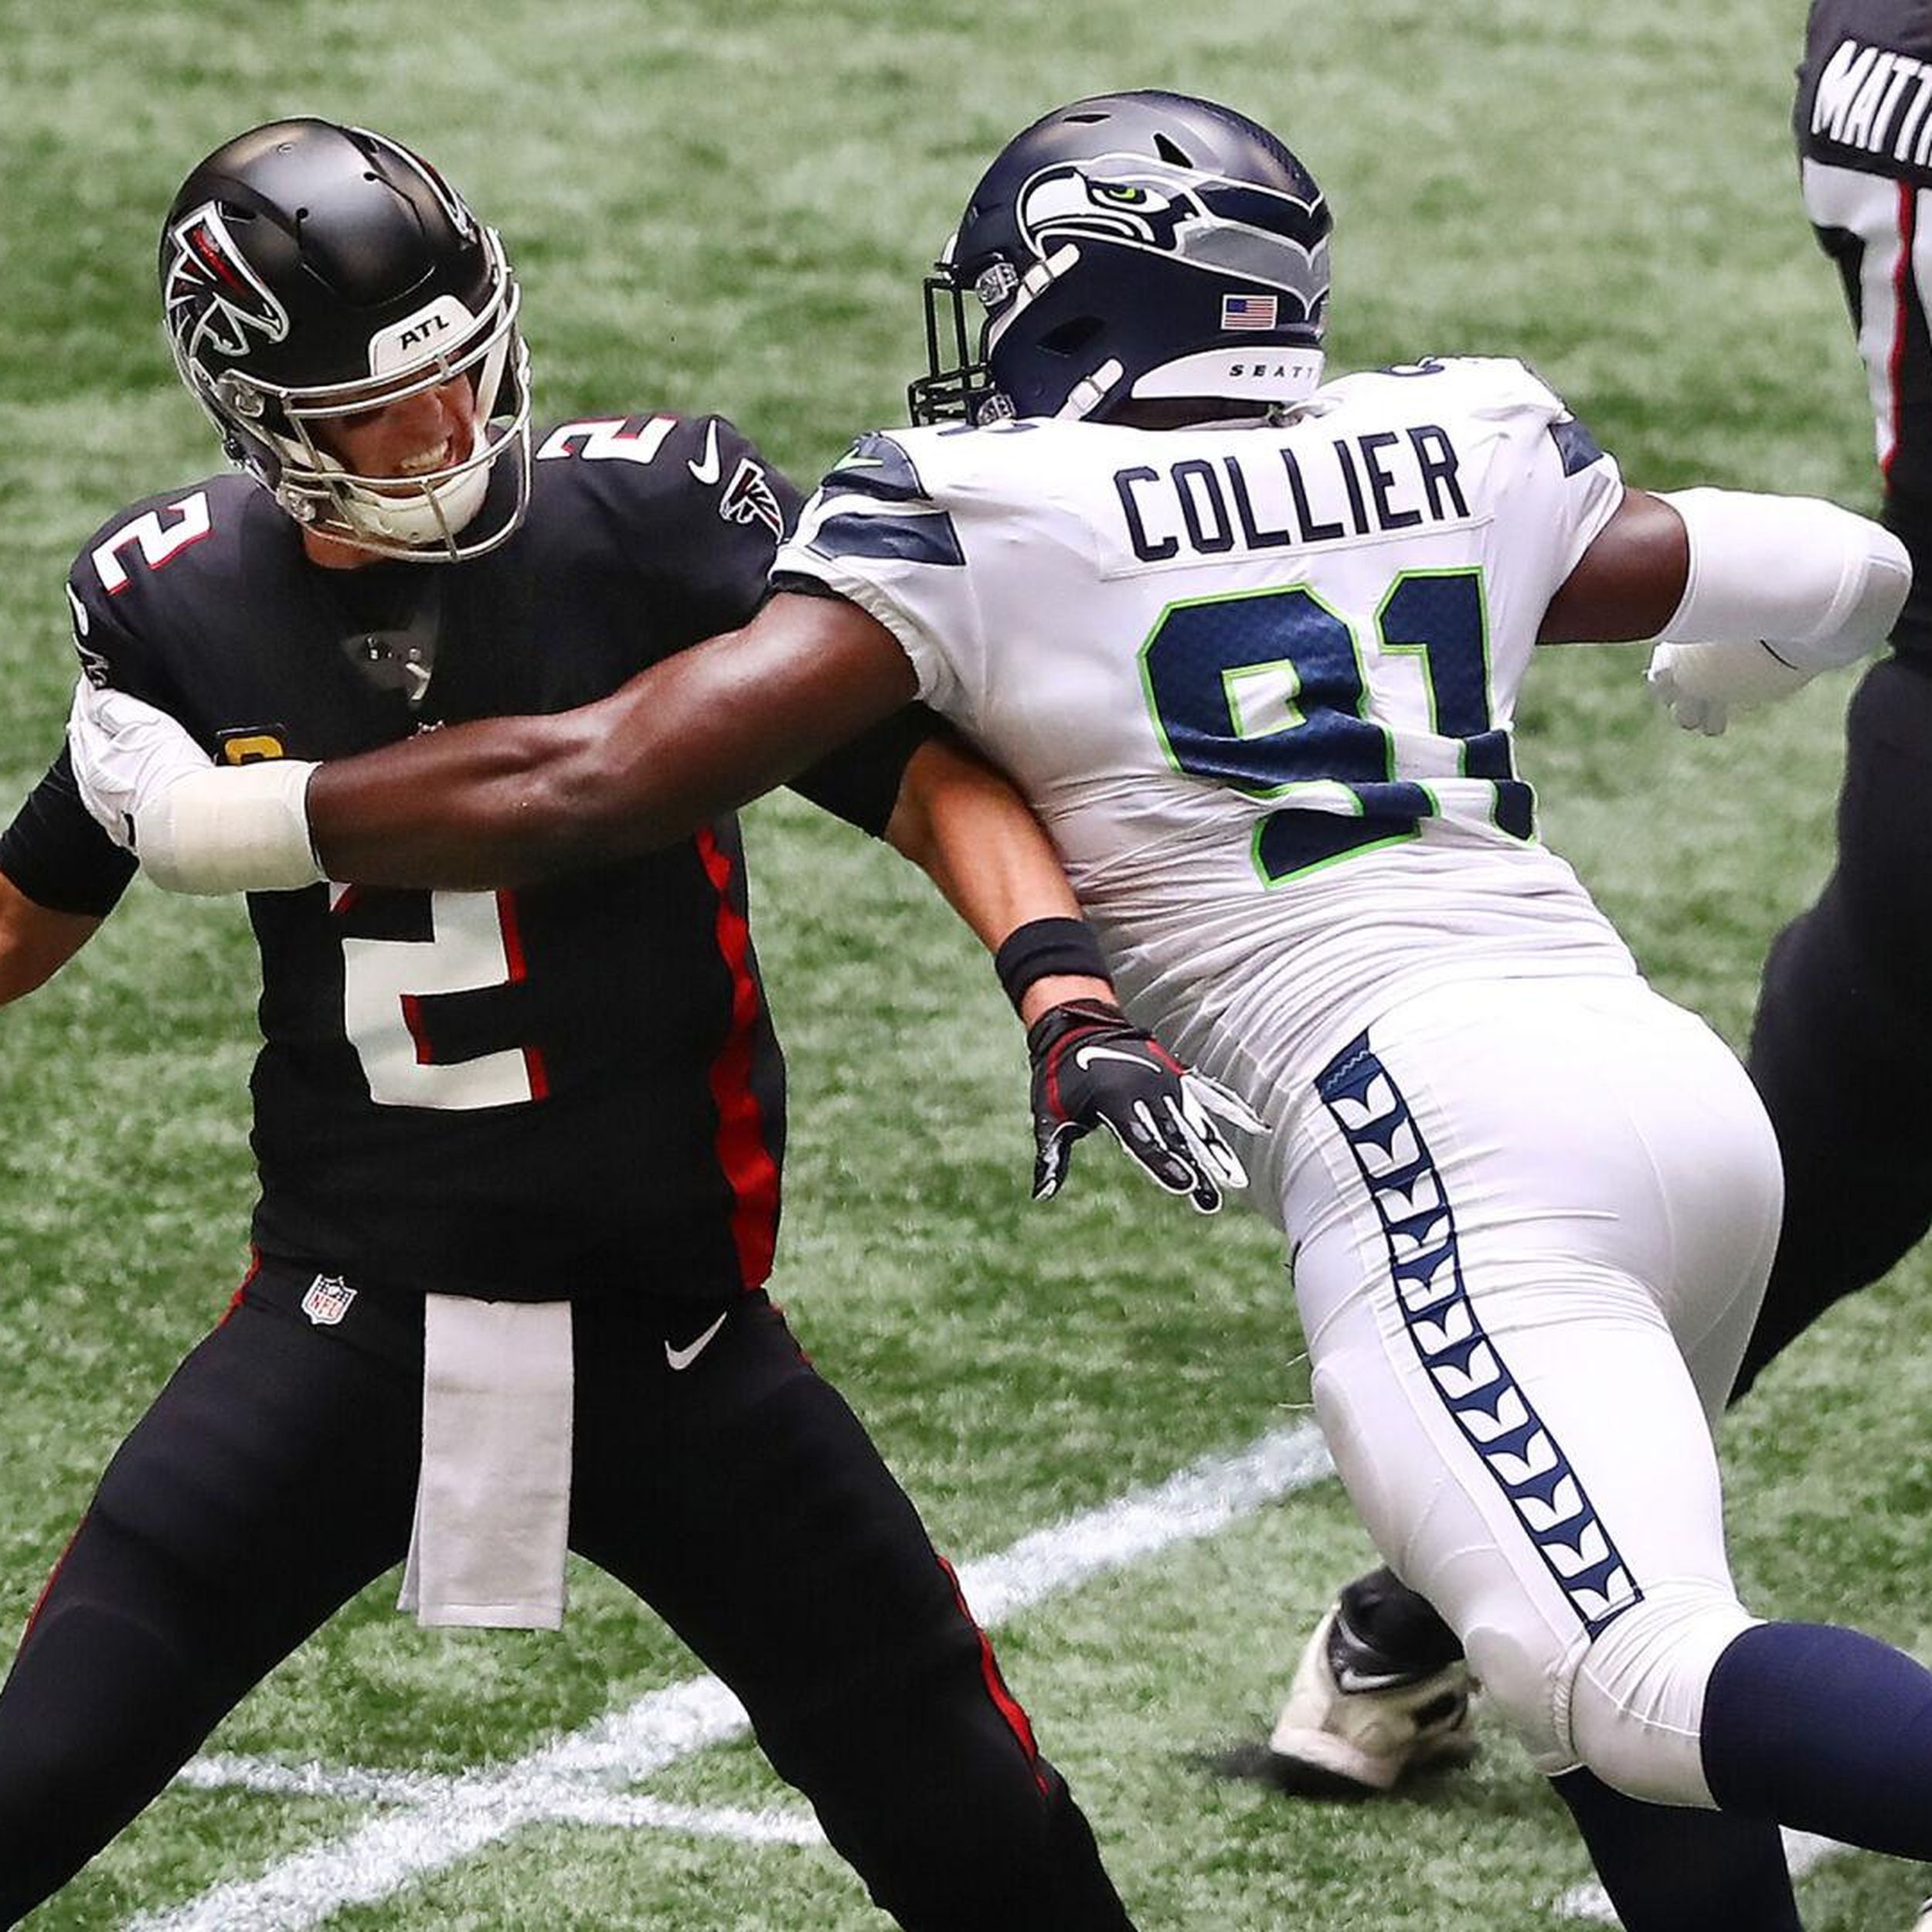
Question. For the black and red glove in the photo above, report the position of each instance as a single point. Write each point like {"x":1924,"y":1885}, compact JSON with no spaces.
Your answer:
{"x":1094,"y":1067}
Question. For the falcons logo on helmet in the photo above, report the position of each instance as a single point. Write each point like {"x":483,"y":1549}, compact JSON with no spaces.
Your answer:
{"x":749,"y":498}
{"x":213,"y":297}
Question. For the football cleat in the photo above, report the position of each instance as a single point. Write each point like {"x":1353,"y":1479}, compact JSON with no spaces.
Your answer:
{"x":1357,"y":1720}
{"x":1923,"y":1922}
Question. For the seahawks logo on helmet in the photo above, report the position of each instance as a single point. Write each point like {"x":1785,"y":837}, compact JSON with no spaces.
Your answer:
{"x":1135,"y":206}
{"x":1232,"y":229}
{"x":213,"y":298}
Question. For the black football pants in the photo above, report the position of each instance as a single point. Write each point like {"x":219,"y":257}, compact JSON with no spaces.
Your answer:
{"x":1841,"y":1046}
{"x":274,"y":1477}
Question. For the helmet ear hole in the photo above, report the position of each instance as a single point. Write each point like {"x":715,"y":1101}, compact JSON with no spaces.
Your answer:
{"x":1070,"y":338}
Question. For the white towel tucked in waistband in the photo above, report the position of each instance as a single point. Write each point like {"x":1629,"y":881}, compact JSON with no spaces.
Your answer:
{"x":493,"y":1501}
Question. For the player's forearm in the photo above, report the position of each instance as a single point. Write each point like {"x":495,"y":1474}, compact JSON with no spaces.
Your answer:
{"x":963,"y":824}
{"x":476,"y":806}
{"x":1820,"y":585}
{"x":36,"y":942}
{"x":504,"y":801}
{"x":471,"y":807}
{"x":511,"y":800}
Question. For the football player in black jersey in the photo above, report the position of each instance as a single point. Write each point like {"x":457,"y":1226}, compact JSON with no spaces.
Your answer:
{"x":542,"y":1127}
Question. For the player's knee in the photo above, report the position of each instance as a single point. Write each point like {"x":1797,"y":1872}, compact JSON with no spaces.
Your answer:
{"x":1636,"y":1699}
{"x":1627,"y":1704}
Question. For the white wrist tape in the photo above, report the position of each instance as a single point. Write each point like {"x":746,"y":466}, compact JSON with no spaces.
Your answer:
{"x":238,"y":828}
{"x":1819,"y":585}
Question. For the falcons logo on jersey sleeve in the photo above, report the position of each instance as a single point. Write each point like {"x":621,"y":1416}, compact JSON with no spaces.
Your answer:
{"x":211,"y":296}
{"x":749,"y":498}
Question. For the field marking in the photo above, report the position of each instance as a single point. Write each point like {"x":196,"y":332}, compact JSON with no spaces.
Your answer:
{"x":575,"y":1800}
{"x":434,"y":1822}
{"x":1802,"y":1851}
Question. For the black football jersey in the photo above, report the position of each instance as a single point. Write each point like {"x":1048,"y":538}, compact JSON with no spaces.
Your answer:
{"x":568,"y":1089}
{"x":1863,"y":119}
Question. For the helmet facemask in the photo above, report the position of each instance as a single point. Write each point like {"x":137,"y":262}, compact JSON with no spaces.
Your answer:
{"x":421,"y":517}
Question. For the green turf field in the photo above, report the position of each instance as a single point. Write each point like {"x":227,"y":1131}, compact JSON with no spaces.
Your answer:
{"x":729,"y":205}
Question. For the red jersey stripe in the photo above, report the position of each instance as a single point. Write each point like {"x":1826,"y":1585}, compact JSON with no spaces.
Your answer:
{"x":518,"y":966}
{"x":1902,"y":286}
{"x":743,"y":1151}
{"x":1009,"y":1706}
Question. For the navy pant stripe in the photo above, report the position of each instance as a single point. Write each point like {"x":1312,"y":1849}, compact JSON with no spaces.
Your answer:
{"x":1465,"y":1368}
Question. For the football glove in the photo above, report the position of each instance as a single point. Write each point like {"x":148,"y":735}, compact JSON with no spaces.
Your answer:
{"x":1094,"y":1067}
{"x":1701,"y":685}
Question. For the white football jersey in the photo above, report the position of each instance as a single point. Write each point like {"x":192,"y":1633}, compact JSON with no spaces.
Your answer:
{"x":1258,"y":683}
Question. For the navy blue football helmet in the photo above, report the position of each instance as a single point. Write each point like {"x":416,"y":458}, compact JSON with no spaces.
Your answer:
{"x":312,"y":272}
{"x":1132,"y":245}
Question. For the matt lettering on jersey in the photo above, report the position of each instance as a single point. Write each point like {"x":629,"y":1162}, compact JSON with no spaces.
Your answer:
{"x":1869,"y":105}
{"x":1281,"y":495}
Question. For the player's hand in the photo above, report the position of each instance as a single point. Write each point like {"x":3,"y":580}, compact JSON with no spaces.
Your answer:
{"x":1701,"y":685}
{"x":1094,"y":1067}
{"x":126,"y":754}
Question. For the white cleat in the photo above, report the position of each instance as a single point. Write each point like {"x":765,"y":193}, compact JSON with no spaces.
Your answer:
{"x":1356,"y":1721}
{"x":1923,"y":1922}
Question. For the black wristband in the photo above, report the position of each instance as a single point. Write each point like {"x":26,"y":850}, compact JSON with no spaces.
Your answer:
{"x":1043,"y":948}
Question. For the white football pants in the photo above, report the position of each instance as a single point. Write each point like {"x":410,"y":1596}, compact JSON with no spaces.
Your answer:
{"x":1531,"y":1224}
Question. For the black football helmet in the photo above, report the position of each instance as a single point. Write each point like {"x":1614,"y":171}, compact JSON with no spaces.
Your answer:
{"x":310,"y":271}
{"x":1130,"y":246}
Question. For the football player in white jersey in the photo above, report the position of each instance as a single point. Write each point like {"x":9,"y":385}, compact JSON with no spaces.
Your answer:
{"x":1250,"y":646}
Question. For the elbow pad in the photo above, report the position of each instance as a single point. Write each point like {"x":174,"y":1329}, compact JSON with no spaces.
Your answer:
{"x":240,"y":829}
{"x":1816,"y":585}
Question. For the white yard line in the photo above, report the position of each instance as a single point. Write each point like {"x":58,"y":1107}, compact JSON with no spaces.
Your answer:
{"x":1802,"y":1851}
{"x":434,"y":1822}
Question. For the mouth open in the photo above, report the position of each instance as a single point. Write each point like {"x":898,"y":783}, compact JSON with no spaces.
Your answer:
{"x":426,"y":461}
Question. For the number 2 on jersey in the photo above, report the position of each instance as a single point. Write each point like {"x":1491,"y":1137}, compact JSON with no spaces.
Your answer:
{"x":473,"y":944}
{"x":1265,"y":691}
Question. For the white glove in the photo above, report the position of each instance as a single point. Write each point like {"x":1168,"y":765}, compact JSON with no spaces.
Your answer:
{"x":1702,"y":684}
{"x":195,"y":827}
{"x":126,"y":754}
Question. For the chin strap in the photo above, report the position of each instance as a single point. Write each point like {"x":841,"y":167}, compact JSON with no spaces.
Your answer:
{"x":1087,"y":395}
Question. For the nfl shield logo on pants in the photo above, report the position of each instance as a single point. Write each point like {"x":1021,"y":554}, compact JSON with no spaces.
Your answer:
{"x":327,"y":1300}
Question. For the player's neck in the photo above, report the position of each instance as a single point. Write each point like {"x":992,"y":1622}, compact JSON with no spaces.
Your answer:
{"x":1187,"y":412}
{"x":329,"y":553}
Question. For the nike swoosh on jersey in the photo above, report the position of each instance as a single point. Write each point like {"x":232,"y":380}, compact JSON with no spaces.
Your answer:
{"x":683,"y":1358}
{"x":707,"y":469}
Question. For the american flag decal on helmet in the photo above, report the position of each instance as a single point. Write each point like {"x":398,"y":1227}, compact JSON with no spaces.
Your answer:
{"x":749,"y":498}
{"x":1248,"y":312}
{"x":211,"y":296}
